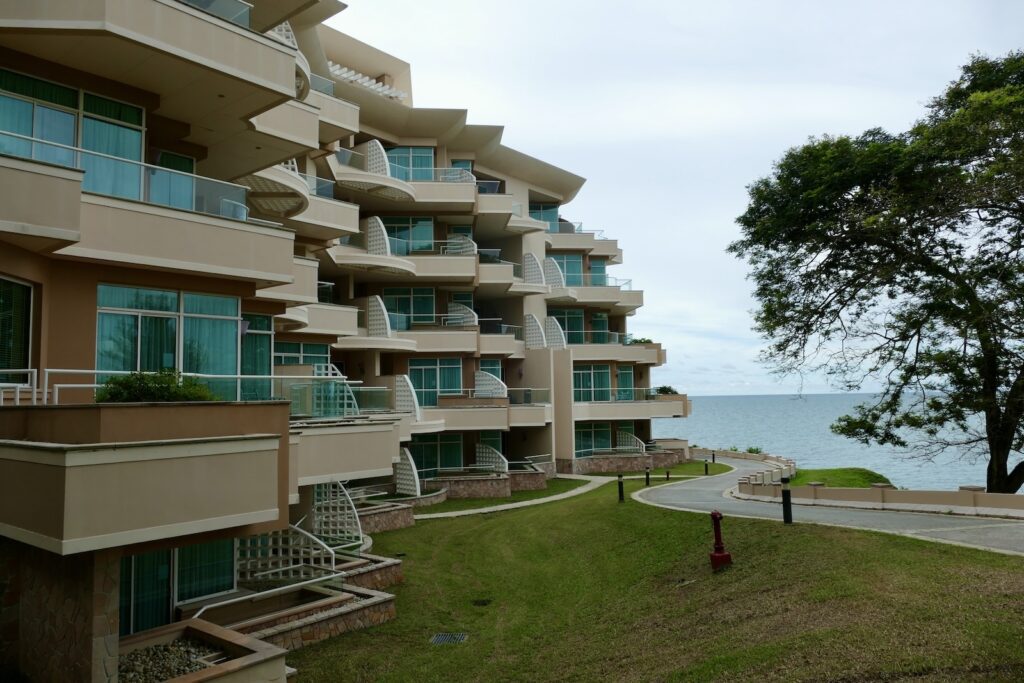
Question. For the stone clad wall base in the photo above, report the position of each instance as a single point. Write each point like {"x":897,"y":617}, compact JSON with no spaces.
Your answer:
{"x":372,"y":609}
{"x":661,"y":459}
{"x":603,"y":464}
{"x":384,"y":574}
{"x":472,"y":487}
{"x":385,"y":518}
{"x":528,"y":481}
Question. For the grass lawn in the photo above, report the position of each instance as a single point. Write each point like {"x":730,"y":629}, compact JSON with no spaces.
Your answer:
{"x":555,"y":486}
{"x":589,"y":589}
{"x":685,"y":469}
{"x":845,"y":477}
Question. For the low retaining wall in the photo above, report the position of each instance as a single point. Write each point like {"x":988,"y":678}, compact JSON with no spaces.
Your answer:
{"x":881,"y":497}
{"x":371,"y":609}
{"x":431,"y":498}
{"x":488,"y":486}
{"x":667,"y":458}
{"x":525,"y":480}
{"x":383,"y":572}
{"x":386,"y":517}
{"x":613,"y":463}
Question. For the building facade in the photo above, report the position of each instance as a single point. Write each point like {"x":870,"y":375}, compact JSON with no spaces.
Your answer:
{"x":381,"y":296}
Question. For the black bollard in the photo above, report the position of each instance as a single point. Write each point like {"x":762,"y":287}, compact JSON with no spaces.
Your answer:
{"x":666,"y":475}
{"x":712,"y":456}
{"x":647,"y":476}
{"x":705,"y":468}
{"x":787,"y":502}
{"x":622,"y":491}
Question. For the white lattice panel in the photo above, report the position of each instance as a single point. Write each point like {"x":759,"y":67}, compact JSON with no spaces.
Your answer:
{"x":533,"y":332}
{"x":335,"y":519}
{"x":377,"y":242}
{"x":489,"y":386}
{"x":376,"y":158}
{"x":407,"y":481}
{"x":553,"y":273}
{"x":554,"y":334}
{"x":405,"y":397}
{"x":627,"y":441}
{"x":378,"y":324}
{"x":460,"y":314}
{"x":488,"y":456}
{"x":532,"y":269}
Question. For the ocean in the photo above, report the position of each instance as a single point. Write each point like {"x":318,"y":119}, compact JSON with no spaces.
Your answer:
{"x":798,"y":428}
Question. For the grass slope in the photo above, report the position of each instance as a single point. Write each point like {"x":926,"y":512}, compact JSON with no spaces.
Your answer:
{"x":590,"y":589}
{"x":689,"y":469}
{"x":844,"y":477}
{"x":555,"y":486}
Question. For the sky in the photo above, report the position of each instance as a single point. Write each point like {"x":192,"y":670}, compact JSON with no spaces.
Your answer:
{"x":670,"y":108}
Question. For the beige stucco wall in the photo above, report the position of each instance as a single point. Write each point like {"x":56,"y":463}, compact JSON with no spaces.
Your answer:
{"x":330,"y":453}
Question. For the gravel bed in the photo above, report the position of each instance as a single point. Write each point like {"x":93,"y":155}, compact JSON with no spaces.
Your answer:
{"x":158,"y":663}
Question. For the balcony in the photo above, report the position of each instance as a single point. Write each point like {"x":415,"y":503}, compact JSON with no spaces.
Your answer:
{"x":329,"y":452}
{"x":600,"y":345}
{"x":88,"y":477}
{"x":493,"y":211}
{"x":366,"y":169}
{"x":203,"y":69}
{"x":338,"y":118}
{"x":325,"y":218}
{"x":566,"y":236}
{"x":373,"y":250}
{"x":374,"y":329}
{"x":277,"y":192}
{"x":302,"y":289}
{"x":498,"y":277}
{"x":330,"y":319}
{"x":499,"y":339}
{"x":529,"y":407}
{"x":626,"y":404}
{"x":41,"y":210}
{"x":137,"y":213}
{"x":437,"y":333}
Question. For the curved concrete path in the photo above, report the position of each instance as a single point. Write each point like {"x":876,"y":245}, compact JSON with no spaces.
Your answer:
{"x":593,"y":483}
{"x":712,"y":493}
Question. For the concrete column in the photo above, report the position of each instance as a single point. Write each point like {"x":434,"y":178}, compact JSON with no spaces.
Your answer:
{"x":68,"y":622}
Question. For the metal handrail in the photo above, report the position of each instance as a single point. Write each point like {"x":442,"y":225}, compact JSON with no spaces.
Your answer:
{"x":32,"y":377}
{"x":321,"y":84}
{"x":430,"y":175}
{"x":238,"y":12}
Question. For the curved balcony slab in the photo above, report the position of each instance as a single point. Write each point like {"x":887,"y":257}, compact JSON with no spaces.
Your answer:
{"x":329,"y":319}
{"x":292,"y":320}
{"x":361,"y":341}
{"x":277,"y":191}
{"x":357,"y":258}
{"x":443,"y":340}
{"x":302,"y":290}
{"x":326,"y":219}
{"x":640,"y":354}
{"x":338,"y":118}
{"x":371,"y":183}
{"x":502,"y":345}
{"x":470,"y":419}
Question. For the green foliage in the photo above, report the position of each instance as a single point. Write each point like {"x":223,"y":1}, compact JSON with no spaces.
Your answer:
{"x":754,"y":449}
{"x":640,"y":340}
{"x":166,"y":386}
{"x":666,"y":390}
{"x":734,"y":449}
{"x":840,"y":477}
{"x":897,"y":260}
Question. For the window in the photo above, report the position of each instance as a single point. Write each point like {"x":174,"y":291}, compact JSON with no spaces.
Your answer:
{"x":492,"y":366}
{"x":592,"y":383}
{"x":433,"y":451}
{"x":464,"y":298}
{"x":572,"y":268}
{"x":146,"y":330}
{"x":257,"y":344}
{"x":624,"y":382}
{"x":598,"y":277}
{"x":15,"y":329}
{"x":599,"y":328}
{"x":433,"y":377}
{"x":295,"y":353}
{"x":545,"y":212}
{"x":406,"y":305}
{"x":571,"y":320}
{"x":464,"y":164}
{"x":409,"y":233}
{"x":412,"y":163}
{"x":592,"y":437}
{"x":492,"y":438}
{"x":205,"y":569}
{"x":145,"y":591}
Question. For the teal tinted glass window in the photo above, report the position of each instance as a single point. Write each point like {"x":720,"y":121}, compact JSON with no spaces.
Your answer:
{"x":117,"y":336}
{"x":38,"y":89}
{"x":492,"y":366}
{"x":15,"y":329}
{"x":598,"y":277}
{"x":256,"y":360}
{"x":464,"y":298}
{"x":545,"y":212}
{"x":410,"y":305}
{"x":571,"y":320}
{"x":15,"y":117}
{"x":492,"y":438}
{"x":210,"y":347}
{"x":139,"y":298}
{"x":258,"y":323}
{"x":624,"y":382}
{"x":432,"y":377}
{"x":106,"y":175}
{"x":209,"y":304}
{"x":316,"y":354}
{"x":592,"y":383}
{"x":410,"y":233}
{"x":572,"y":268}
{"x":412,"y":163}
{"x":205,"y":569}
{"x":592,"y":437}
{"x":110,"y":109}
{"x":145,"y":591}
{"x":431,"y":452}
{"x":464,"y":164}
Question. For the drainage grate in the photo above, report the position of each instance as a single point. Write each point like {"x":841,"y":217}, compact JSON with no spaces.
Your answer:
{"x":448,"y":638}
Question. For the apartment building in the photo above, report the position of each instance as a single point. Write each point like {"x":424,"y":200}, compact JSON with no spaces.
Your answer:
{"x":379,"y":294}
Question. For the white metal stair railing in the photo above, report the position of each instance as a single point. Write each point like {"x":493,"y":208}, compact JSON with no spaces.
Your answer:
{"x":553,"y":332}
{"x":287,"y":553}
{"x":626,"y":442}
{"x":407,"y":479}
{"x":533,"y":332}
{"x":532,"y":269}
{"x":553,"y":276}
{"x":489,"y":457}
{"x":460,"y":314}
{"x":335,"y":518}
{"x":31,"y":376}
{"x":489,"y":386}
{"x":378,"y":322}
{"x":406,"y":400}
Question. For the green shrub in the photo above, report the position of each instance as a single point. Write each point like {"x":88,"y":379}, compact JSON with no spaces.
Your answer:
{"x":666,"y":390}
{"x":640,"y":340}
{"x":166,"y":386}
{"x":754,"y":449}
{"x":734,"y":449}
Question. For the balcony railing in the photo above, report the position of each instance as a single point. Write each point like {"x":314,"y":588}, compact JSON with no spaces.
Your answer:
{"x":519,"y":396}
{"x":126,"y":179}
{"x":596,"y":337}
{"x":493,"y":256}
{"x":565,"y":227}
{"x":401,"y":322}
{"x":495,"y":326}
{"x":431,"y":175}
{"x":351,"y":158}
{"x":237,"y":12}
{"x":325,"y":292}
{"x":374,"y":399}
{"x":488,"y":186}
{"x":597,"y":280}
{"x":321,"y":187}
{"x":605,"y":395}
{"x":321,"y":84}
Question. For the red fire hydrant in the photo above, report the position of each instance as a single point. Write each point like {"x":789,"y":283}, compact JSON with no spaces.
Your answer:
{"x":719,"y":558}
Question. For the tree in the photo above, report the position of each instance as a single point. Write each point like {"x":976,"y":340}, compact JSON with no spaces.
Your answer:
{"x":898,"y":259}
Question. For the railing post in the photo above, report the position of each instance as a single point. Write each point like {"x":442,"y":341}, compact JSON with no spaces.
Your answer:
{"x":647,"y":476}
{"x":622,"y":492}
{"x":787,"y":502}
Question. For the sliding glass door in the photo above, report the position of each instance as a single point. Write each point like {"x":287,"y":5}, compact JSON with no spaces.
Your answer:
{"x":15,"y":329}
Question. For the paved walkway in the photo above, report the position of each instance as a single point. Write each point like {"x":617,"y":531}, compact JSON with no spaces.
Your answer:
{"x":592,"y":483}
{"x":711,"y":493}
